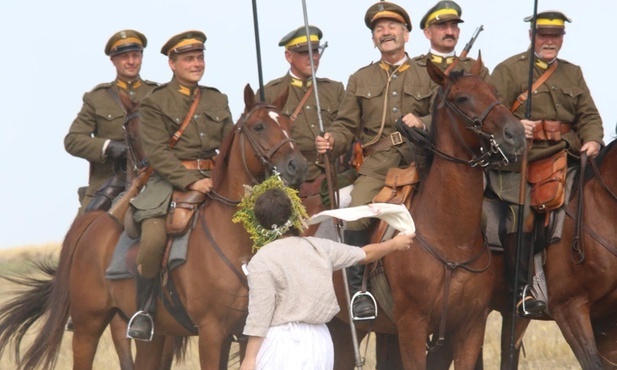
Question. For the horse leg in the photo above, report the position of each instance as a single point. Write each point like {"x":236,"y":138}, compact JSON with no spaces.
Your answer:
{"x":211,"y":344}
{"x":344,"y":354}
{"x":88,"y":330}
{"x":412,"y":341}
{"x":225,"y":350}
{"x":148,"y":353}
{"x":388,"y":356}
{"x":122,"y":344}
{"x":467,"y":340}
{"x":607,"y":347}
{"x":510,"y":351}
{"x":576,"y":328}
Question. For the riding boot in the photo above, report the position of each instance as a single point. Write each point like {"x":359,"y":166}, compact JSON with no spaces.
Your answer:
{"x":363,"y":305}
{"x":532,"y":307}
{"x":141,"y":325}
{"x":106,"y":194}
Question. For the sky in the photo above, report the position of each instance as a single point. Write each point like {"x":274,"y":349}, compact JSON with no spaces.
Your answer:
{"x":53,"y":54}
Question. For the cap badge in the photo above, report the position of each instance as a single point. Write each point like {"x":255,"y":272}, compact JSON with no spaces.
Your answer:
{"x":380,"y":7}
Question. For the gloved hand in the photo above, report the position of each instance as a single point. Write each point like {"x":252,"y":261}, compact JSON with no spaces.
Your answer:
{"x":116,"y":149}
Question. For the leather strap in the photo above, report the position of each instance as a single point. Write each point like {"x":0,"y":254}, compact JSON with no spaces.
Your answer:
{"x":199,"y":164}
{"x":521,"y":98}
{"x":174,"y":139}
{"x":113,"y":92}
{"x":394,"y":139}
{"x":294,"y":115}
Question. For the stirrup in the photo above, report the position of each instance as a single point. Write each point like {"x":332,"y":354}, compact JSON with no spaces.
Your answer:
{"x":353,"y":300}
{"x":527,"y":296}
{"x":135,"y":316}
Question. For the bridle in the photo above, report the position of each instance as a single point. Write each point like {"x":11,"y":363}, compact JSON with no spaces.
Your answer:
{"x":263,"y":152}
{"x":475,"y":125}
{"x":136,"y":162}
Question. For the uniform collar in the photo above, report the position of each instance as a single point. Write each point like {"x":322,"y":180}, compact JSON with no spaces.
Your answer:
{"x":128,"y":86}
{"x":399,"y":66}
{"x":542,"y":64}
{"x":185,"y":90}
{"x":439,"y":58}
{"x":303,"y":84}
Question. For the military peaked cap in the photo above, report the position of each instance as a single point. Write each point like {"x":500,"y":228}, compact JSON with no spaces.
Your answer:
{"x":550,"y":19}
{"x":296,"y":40}
{"x":184,"y":42}
{"x":384,"y":9}
{"x":443,"y":11}
{"x":125,"y":41}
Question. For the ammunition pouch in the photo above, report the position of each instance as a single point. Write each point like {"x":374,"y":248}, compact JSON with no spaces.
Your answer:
{"x":182,"y":210}
{"x":399,"y":186}
{"x":547,"y":178}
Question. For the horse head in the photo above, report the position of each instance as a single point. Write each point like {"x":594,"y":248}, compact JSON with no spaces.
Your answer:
{"x":262,"y":137}
{"x":136,"y":155}
{"x":486,"y":128}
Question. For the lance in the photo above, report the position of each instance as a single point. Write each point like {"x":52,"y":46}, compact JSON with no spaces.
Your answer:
{"x":262,"y":95}
{"x":522,"y":192}
{"x":331,"y":178}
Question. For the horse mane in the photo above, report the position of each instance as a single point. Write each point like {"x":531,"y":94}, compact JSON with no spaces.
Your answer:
{"x":221,"y":159}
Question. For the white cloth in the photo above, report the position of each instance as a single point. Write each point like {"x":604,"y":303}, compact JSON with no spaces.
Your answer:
{"x":296,"y":346}
{"x":396,"y":215}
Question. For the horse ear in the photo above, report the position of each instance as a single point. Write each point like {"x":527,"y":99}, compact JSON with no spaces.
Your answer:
{"x":249,"y":98}
{"x":436,"y":74}
{"x":279,"y":103}
{"x":476,"y":68}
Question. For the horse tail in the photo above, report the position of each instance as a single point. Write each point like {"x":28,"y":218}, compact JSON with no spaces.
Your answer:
{"x":44,"y":297}
{"x":181,"y":348}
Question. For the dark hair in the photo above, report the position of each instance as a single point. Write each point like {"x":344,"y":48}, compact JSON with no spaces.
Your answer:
{"x":273,"y":207}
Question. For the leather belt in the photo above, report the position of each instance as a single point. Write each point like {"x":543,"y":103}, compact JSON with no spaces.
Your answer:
{"x":394,"y":139}
{"x":199,"y":164}
{"x":548,"y":130}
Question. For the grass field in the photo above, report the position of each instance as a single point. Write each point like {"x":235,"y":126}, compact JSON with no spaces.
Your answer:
{"x":545,"y":347}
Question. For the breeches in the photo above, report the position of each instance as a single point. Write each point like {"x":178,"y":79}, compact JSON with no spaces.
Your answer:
{"x":364,"y":190}
{"x":151,"y":246}
{"x":505,"y":185}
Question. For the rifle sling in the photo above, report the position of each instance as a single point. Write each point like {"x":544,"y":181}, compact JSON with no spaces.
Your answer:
{"x":174,"y":139}
{"x":521,"y":98}
{"x":294,"y":115}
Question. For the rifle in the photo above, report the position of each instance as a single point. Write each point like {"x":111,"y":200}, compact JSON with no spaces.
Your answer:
{"x":119,"y":208}
{"x":466,"y":49}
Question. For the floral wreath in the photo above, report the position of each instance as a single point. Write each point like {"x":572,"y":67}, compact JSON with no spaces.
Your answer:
{"x":246,"y":213}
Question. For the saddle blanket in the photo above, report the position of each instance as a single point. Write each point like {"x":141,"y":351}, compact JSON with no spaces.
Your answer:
{"x":118,"y":270}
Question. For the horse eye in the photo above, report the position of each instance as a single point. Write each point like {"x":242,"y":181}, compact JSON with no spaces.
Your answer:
{"x":259,"y":126}
{"x":461,"y":100}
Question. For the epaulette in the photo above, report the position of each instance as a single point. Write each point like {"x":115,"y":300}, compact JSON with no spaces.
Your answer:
{"x":104,"y":85}
{"x":325,"y":79}
{"x":210,"y":88}
{"x":367,"y":66}
{"x":276,"y":81}
{"x":421,"y":57}
{"x":160,"y":86}
{"x":151,"y":83}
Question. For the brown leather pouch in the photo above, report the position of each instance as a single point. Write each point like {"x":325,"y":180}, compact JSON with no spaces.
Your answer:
{"x":550,"y":130}
{"x":399,"y":186}
{"x":548,"y":178}
{"x":181,"y":210}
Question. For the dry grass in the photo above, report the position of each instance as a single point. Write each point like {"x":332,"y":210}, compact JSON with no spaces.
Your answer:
{"x":546,"y":348}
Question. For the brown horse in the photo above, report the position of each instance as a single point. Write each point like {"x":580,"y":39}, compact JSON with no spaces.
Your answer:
{"x":210,"y":284}
{"x":442,"y":287}
{"x":580,"y":272}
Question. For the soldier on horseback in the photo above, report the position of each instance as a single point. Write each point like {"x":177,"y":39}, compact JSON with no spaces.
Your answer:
{"x":182,"y":126}
{"x":377,"y":96}
{"x":563,"y":123}
{"x":97,"y":134}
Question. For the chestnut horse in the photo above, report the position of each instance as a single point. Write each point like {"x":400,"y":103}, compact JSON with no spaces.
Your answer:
{"x":210,"y":284}
{"x":581,"y":272}
{"x":442,"y":287}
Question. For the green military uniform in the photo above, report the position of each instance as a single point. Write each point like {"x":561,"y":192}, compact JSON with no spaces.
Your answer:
{"x":563,"y":97}
{"x":101,"y":117}
{"x":407,"y":92}
{"x":162,"y":113}
{"x":306,"y":126}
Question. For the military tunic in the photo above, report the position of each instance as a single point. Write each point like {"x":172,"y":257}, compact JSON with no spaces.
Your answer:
{"x":361,"y":113}
{"x":564,"y":96}
{"x":306,"y":126}
{"x":443,"y":63}
{"x":100,"y":119}
{"x":162,"y":114}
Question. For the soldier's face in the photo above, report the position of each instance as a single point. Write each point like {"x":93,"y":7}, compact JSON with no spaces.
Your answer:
{"x":443,"y":36}
{"x":548,"y":43}
{"x":128,"y":65}
{"x":188,"y":67}
{"x":300,"y":62}
{"x":390,"y":36}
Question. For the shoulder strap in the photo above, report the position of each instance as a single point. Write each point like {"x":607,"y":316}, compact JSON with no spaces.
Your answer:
{"x":521,"y":98}
{"x":174,"y":139}
{"x":294,"y":115}
{"x":115,"y":97}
